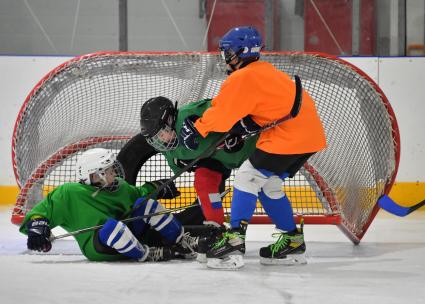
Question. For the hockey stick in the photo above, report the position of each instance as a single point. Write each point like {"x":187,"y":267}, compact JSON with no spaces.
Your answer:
{"x":386,"y":203}
{"x":128,"y":220}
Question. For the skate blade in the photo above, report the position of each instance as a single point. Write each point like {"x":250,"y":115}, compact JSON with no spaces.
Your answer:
{"x":231,"y":262}
{"x":201,"y":258}
{"x":191,"y":256}
{"x":293,"y":259}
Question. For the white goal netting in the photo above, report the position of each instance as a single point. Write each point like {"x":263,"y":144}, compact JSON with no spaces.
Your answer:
{"x":94,"y":100}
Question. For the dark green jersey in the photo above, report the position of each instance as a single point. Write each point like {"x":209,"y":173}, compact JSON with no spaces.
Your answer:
{"x":229,"y":160}
{"x":72,"y":207}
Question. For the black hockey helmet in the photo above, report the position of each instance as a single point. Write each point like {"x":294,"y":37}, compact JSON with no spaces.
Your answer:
{"x":157,"y":123}
{"x":155,"y":114}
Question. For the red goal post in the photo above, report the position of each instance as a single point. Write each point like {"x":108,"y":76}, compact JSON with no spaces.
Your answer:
{"x":94,"y":101}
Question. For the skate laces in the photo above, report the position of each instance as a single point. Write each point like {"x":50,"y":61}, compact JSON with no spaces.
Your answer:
{"x":189,"y":242}
{"x":281,"y":242}
{"x":227,"y":236}
{"x":156,"y":253}
{"x":284,"y":239}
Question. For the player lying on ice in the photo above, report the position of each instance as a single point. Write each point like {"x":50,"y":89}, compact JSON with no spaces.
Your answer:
{"x":102,"y":197}
{"x":161,"y":123}
{"x":256,"y":94}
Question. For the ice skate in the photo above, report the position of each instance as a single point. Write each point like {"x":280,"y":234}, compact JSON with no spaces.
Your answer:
{"x":289,"y":249}
{"x":187,"y":247}
{"x":207,"y":242}
{"x":227,"y":252}
{"x":159,"y":254}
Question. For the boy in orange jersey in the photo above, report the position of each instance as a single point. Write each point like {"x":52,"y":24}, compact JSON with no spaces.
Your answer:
{"x":255,"y":94}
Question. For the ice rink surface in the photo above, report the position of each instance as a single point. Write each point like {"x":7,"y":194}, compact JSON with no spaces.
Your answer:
{"x":387,"y":267}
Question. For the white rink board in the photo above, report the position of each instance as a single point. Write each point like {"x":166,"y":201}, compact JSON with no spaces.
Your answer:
{"x":369,"y":65}
{"x":404,"y":80}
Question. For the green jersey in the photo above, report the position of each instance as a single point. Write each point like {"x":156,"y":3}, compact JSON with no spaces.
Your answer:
{"x":229,"y":160}
{"x":72,"y":207}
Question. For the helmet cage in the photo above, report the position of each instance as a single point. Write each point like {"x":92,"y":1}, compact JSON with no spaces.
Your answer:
{"x":157,"y":141}
{"x":102,"y":172}
{"x":228,"y":55}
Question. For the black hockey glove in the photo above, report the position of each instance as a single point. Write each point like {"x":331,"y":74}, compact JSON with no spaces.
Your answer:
{"x":233,"y":143}
{"x":39,"y":235}
{"x":188,"y":133}
{"x":245,"y":126}
{"x":168,"y":192}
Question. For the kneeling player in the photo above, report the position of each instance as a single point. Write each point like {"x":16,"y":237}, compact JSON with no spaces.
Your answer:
{"x":102,"y":197}
{"x":161,"y":125}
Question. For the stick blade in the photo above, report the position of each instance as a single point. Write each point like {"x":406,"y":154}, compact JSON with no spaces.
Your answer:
{"x":386,"y":203}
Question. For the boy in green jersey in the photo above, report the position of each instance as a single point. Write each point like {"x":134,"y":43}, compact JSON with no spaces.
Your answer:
{"x":100,"y":198}
{"x":161,"y":124}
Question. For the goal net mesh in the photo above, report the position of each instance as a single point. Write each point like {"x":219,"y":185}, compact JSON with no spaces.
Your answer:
{"x":94,"y":101}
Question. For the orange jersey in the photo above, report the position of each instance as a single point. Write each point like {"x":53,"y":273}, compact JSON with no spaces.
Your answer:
{"x":266,"y":94}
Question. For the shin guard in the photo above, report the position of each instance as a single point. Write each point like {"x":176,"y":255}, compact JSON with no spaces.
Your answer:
{"x":115,"y":234}
{"x":243,"y":207}
{"x":166,"y":224}
{"x":279,"y":210}
{"x":207,"y":183}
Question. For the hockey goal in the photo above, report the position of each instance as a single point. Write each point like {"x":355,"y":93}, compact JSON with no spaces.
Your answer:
{"x":94,"y":101}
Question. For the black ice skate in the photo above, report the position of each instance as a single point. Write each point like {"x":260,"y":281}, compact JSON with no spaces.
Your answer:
{"x":289,"y":249}
{"x":159,"y":254}
{"x":227,"y":251}
{"x":187,"y":247}
{"x":207,"y":242}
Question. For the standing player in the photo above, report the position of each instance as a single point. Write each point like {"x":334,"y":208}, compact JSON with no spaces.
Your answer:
{"x":161,"y":123}
{"x":101,"y":197}
{"x":255,"y":94}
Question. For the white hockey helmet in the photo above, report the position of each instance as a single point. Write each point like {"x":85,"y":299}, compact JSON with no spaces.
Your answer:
{"x":96,"y":161}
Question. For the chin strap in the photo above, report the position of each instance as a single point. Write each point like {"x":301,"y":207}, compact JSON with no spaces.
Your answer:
{"x":232,"y":67}
{"x":110,"y":188}
{"x":243,"y":64}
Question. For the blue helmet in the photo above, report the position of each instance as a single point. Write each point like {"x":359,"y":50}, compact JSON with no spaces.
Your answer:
{"x":243,"y":42}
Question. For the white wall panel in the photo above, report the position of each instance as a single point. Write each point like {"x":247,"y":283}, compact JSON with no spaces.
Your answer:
{"x":18,"y":75}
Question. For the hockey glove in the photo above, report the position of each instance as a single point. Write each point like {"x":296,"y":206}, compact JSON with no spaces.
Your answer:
{"x":188,"y":133}
{"x":168,"y":192}
{"x":245,"y":126}
{"x":233,"y":143}
{"x":39,"y":235}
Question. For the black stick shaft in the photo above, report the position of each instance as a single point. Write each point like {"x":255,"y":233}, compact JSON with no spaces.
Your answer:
{"x":131,"y":219}
{"x":417,"y":206}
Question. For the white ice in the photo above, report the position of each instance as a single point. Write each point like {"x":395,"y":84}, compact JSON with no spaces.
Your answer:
{"x":387,"y":267}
